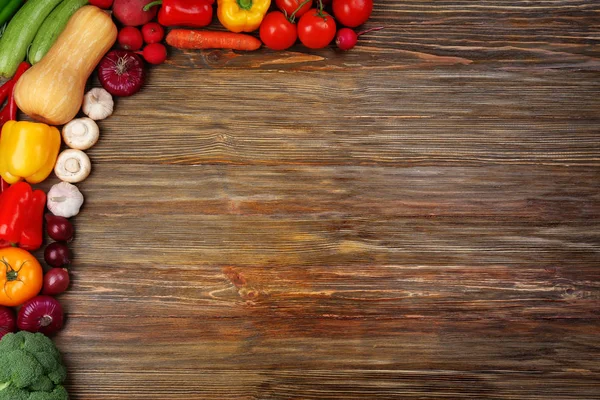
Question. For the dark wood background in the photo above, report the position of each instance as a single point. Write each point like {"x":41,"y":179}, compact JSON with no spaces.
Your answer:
{"x":418,"y":218}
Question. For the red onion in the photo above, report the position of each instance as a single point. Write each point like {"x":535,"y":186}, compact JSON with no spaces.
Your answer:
{"x":41,"y":314}
{"x":56,"y":281}
{"x":57,"y":254}
{"x":121,"y":72}
{"x":59,"y":228}
{"x":7,"y":321}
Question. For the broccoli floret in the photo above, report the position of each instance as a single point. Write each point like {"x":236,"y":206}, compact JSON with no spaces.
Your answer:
{"x":59,"y":375}
{"x":30,"y":368}
{"x":14,"y":393}
{"x":44,"y":384}
{"x":59,"y":393}
{"x":24,"y":368}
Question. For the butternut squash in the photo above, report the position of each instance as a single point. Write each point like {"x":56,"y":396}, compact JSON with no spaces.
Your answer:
{"x":52,"y":90}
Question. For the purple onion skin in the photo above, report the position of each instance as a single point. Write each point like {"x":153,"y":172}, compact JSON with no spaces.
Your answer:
{"x":41,"y":314}
{"x":59,"y":228}
{"x":57,"y":254}
{"x":56,"y":281}
{"x":7,"y":321}
{"x":121,"y":73}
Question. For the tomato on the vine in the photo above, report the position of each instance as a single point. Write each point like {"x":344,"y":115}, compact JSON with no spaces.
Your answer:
{"x":290,"y":6}
{"x":352,"y":13}
{"x":316,"y":29}
{"x":277,"y":32}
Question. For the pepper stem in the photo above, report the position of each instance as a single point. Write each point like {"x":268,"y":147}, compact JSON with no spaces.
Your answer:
{"x":245,"y":4}
{"x":152,"y":4}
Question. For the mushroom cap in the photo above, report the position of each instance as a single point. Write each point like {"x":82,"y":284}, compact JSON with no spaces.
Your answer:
{"x":81,"y":133}
{"x":72,"y":166}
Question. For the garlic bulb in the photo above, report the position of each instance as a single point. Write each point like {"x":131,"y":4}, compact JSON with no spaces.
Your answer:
{"x":64,"y":200}
{"x":98,"y":104}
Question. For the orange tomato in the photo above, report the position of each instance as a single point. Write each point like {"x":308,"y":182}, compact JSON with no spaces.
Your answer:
{"x":21,"y":276}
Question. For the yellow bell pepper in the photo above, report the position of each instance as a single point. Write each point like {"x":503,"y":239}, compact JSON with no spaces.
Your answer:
{"x":28,"y":150}
{"x":242,"y":15}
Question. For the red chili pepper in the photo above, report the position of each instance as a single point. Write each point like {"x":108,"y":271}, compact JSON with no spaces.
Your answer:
{"x":190,"y":13}
{"x":21,"y":216}
{"x":9,"y":112}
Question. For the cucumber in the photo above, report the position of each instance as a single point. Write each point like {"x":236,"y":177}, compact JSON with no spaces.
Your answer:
{"x":20,"y":32}
{"x":52,"y":26}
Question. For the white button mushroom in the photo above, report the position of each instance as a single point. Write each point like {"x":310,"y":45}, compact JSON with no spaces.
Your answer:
{"x":81,"y":133}
{"x":64,"y":200}
{"x":72,"y":166}
{"x":97,"y":104}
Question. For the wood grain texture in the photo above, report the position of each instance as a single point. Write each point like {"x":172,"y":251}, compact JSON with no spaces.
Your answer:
{"x":418,"y":218}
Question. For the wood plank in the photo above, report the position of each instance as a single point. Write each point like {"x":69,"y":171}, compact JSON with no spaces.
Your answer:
{"x":327,"y":384}
{"x":441,"y":118}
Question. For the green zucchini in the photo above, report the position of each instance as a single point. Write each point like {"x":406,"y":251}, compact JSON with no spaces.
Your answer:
{"x":8,"y":8}
{"x":20,"y":32}
{"x":52,"y":27}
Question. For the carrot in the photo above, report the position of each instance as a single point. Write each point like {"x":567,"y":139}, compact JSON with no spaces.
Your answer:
{"x":196,"y":39}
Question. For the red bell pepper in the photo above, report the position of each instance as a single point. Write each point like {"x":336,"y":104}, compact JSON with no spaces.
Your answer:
{"x":21,"y":216}
{"x":3,"y":185}
{"x":189,"y":13}
{"x":9,"y":112}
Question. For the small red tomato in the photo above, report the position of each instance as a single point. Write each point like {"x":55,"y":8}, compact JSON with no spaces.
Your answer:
{"x":290,"y":6}
{"x":277,"y":32}
{"x":352,"y":13}
{"x":316,"y":29}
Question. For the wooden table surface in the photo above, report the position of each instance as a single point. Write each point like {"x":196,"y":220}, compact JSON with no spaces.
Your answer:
{"x":418,"y":218}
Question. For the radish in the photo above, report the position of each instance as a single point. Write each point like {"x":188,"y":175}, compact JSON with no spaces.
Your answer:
{"x":130,"y":38}
{"x":153,"y":32}
{"x":346,"y":38}
{"x":154,"y":53}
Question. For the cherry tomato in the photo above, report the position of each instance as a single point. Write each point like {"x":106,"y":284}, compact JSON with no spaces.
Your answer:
{"x":316,"y":29}
{"x":277,"y":32}
{"x":352,"y":13}
{"x":289,"y":6}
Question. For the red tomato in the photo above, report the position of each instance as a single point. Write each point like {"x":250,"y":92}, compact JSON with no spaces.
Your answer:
{"x":316,"y":29}
{"x":352,"y":13}
{"x":277,"y":32}
{"x":289,"y":6}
